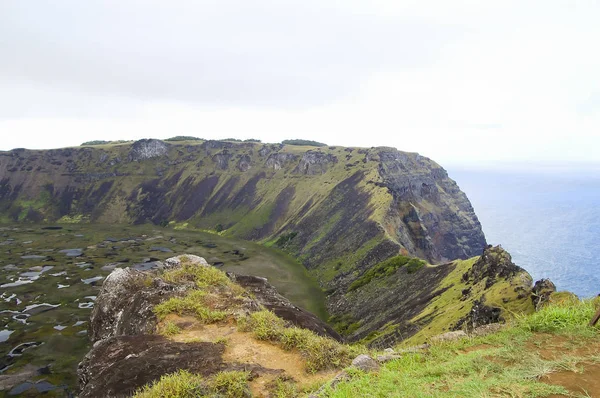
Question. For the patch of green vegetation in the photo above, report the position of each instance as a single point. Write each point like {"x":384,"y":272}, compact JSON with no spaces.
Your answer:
{"x":76,"y":219}
{"x":303,"y":143}
{"x":183,"y":384}
{"x":192,"y":303}
{"x":102,"y":142}
{"x":567,"y":316}
{"x":506,"y":363}
{"x":387,"y":268}
{"x":203,"y":276}
{"x":344,"y":324}
{"x":232,"y":384}
{"x":183,"y":138}
{"x":283,"y":240}
{"x":170,"y":329}
{"x":320,"y":353}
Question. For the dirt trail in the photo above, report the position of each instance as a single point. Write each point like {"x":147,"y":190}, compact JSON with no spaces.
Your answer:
{"x":242,"y":348}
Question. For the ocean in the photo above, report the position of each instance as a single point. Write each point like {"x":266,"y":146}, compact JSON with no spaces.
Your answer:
{"x":548,"y":222}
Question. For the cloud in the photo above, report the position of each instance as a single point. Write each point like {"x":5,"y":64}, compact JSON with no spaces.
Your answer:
{"x":461,"y":82}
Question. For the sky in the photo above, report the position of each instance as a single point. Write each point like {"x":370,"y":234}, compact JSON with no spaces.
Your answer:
{"x":464,"y":82}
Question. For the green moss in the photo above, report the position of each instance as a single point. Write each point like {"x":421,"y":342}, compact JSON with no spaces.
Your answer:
{"x":387,"y":268}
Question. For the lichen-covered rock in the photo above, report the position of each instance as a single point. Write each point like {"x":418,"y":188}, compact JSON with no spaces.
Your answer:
{"x":541,"y":292}
{"x":125,"y":304}
{"x":365,"y":363}
{"x":450,"y":336}
{"x":189,"y":258}
{"x":147,"y":149}
{"x":494,"y":263}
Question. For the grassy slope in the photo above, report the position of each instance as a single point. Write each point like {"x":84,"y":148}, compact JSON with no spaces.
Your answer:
{"x":516,"y":362}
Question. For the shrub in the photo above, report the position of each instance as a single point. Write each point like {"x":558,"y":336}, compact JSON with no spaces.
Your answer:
{"x":285,"y":239}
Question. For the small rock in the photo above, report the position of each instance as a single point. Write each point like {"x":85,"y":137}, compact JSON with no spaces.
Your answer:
{"x":450,"y":336}
{"x":487,"y":329}
{"x":389,"y":351}
{"x":191,"y":259}
{"x":365,"y":363}
{"x":388,"y":357}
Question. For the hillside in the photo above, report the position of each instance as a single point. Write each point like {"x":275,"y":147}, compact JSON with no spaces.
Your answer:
{"x":353,"y":216}
{"x":188,"y":329}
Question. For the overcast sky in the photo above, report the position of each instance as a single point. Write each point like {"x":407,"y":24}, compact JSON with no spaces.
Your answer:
{"x":463,"y":82}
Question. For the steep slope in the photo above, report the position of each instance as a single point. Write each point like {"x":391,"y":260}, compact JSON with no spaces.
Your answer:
{"x":340,"y":210}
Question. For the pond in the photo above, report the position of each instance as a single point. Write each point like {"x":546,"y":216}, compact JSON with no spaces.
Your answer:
{"x":50,"y":277}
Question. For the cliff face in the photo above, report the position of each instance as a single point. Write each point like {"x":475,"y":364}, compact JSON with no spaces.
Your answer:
{"x":339,"y":210}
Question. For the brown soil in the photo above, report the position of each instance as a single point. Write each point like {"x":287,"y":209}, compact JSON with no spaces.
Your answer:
{"x":586,"y":383}
{"x":581,"y":383}
{"x":242,"y":348}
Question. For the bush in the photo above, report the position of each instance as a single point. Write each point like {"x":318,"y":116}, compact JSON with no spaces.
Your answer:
{"x":303,"y":143}
{"x":285,"y":239}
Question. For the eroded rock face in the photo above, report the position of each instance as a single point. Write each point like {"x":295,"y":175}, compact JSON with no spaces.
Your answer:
{"x":315,"y":162}
{"x":494,"y":263}
{"x":147,"y":149}
{"x":277,"y":161}
{"x":119,"y":365}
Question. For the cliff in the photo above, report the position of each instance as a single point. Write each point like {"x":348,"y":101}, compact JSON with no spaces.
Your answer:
{"x":342,"y":211}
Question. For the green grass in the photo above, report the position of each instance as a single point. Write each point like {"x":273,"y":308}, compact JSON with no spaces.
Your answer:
{"x":569,"y":316}
{"x":319,"y":353}
{"x":233,"y":384}
{"x":183,"y":384}
{"x":193,"y":303}
{"x":170,"y":329}
{"x":507,"y":363}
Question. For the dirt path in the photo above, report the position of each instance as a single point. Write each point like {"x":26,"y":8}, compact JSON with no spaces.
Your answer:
{"x":242,"y":348}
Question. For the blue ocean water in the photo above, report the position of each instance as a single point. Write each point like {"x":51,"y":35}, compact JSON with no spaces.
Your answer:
{"x":549,"y":223}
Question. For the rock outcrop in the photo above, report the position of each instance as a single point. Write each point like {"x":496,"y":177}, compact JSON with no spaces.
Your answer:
{"x":128,"y":353}
{"x":147,"y":149}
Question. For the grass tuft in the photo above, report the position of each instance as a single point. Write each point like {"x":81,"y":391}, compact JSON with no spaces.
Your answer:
{"x":182,"y":384}
{"x":170,"y":329}
{"x":232,"y":384}
{"x":566,"y":316}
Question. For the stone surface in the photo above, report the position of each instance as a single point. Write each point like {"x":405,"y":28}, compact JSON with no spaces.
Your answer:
{"x":365,"y":363}
{"x":541,"y":292}
{"x":190,"y":258}
{"x":450,"y":336}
